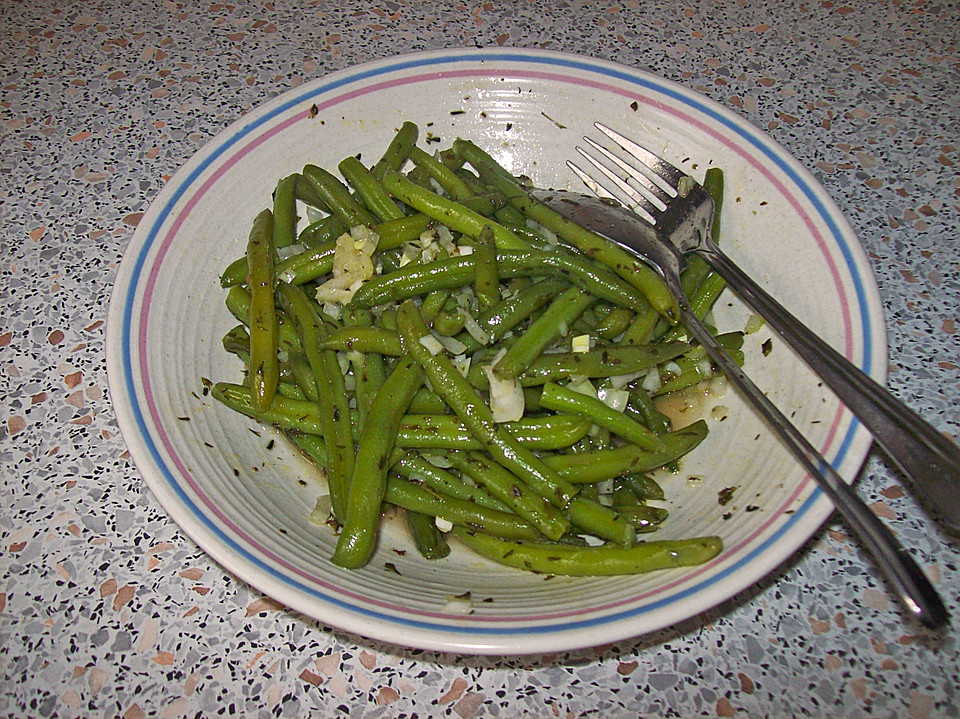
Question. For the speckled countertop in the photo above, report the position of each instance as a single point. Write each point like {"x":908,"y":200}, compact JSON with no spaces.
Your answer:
{"x":106,"y":609}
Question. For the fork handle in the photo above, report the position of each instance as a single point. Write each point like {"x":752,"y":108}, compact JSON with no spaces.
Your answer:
{"x":909,"y":582}
{"x":923,"y":453}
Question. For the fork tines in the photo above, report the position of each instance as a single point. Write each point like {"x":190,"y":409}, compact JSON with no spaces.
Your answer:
{"x":645,"y":185}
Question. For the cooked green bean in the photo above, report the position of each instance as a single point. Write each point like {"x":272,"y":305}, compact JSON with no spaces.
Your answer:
{"x":563,"y":399}
{"x":369,"y":190}
{"x":397,"y":151}
{"x":511,"y":490}
{"x":486,"y":281}
{"x":449,"y":431}
{"x":364,"y":339}
{"x":604,"y":560}
{"x":285,"y":212}
{"x":458,"y":512}
{"x":337,"y":196}
{"x":448,"y":212}
{"x":419,"y":470}
{"x":541,"y":333}
{"x":429,"y":541}
{"x":358,"y":536}
{"x":264,"y":369}
{"x":596,"y":466}
{"x":335,"y":415}
{"x":452,"y":184}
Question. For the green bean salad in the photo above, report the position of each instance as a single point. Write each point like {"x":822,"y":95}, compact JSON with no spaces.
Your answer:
{"x":436,"y":339}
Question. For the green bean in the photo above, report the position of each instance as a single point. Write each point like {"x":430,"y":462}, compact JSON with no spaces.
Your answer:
{"x":364,"y":339}
{"x":238,"y":304}
{"x":449,"y":431}
{"x":563,"y":399}
{"x":236,"y":340}
{"x":512,"y":491}
{"x":304,"y":192}
{"x":486,"y":281}
{"x":416,"y":468}
{"x":358,"y":536}
{"x":397,"y":151}
{"x":369,"y":374}
{"x":335,"y":421}
{"x":642,"y":486}
{"x":542,"y":332}
{"x":235,"y":273}
{"x":642,"y":404}
{"x":264,"y":370}
{"x":429,"y":541}
{"x":563,"y":559}
{"x":695,"y":366}
{"x":414,"y":279}
{"x":459,"y":512}
{"x":642,"y":328}
{"x":283,"y":412}
{"x":303,"y":374}
{"x":511,"y":311}
{"x":426,"y":401}
{"x":590,"y":467}
{"x":285,"y":212}
{"x":452,"y":214}
{"x":326,"y":229}
{"x":588,"y":514}
{"x":615,"y":323}
{"x":447,"y":323}
{"x":700,"y":303}
{"x":642,"y":517}
{"x":629,"y":267}
{"x":599,"y":362}
{"x":445,"y":177}
{"x":469,"y":407}
{"x":433,"y":303}
{"x":336,"y":195}
{"x":369,"y":189}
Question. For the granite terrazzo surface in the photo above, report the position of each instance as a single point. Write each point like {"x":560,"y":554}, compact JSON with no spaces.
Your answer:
{"x":106,"y":609}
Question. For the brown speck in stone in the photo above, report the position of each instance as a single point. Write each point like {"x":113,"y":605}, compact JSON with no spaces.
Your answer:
{"x":746,"y":683}
{"x":725,"y":708}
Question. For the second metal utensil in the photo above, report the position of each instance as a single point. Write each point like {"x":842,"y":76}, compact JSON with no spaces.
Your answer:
{"x":910,"y":583}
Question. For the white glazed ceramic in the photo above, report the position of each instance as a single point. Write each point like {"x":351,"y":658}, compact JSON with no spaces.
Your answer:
{"x":248,"y":505}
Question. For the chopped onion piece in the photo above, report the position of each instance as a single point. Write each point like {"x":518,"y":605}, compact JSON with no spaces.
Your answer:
{"x":672,"y":369}
{"x":432,"y":344}
{"x":652,"y":383}
{"x":622,"y":380}
{"x":442,"y":524}
{"x":452,"y":345}
{"x":615,"y":399}
{"x":580,"y":343}
{"x":462,"y":363}
{"x":473,"y":328}
{"x":582,"y":386}
{"x":506,"y":395}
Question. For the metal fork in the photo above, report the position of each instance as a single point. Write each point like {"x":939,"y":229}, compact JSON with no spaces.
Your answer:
{"x":680,"y":211}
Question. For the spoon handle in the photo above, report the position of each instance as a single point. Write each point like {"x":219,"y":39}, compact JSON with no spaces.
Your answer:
{"x":905,"y":576}
{"x":924,"y":455}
